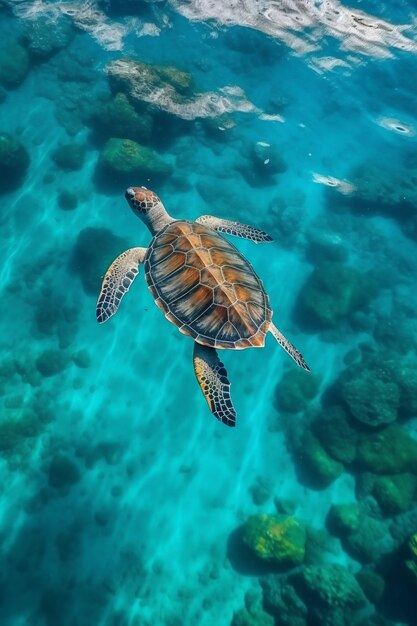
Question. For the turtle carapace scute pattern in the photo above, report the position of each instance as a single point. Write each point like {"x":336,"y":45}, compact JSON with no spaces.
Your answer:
{"x":203,"y":285}
{"x":206,"y":287}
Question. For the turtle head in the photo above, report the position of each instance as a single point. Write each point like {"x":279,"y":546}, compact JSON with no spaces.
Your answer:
{"x":141,"y":200}
{"x":146,"y":205}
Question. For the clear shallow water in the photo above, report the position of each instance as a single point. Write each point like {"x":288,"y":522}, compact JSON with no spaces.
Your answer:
{"x":121,"y":495}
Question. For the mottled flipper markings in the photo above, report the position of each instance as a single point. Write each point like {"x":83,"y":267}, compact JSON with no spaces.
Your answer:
{"x":212,"y":378}
{"x":288,"y":347}
{"x":117,"y":281}
{"x":234,"y":228}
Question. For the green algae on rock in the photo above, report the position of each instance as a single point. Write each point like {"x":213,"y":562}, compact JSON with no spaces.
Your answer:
{"x":395,"y":494}
{"x":335,"y":434}
{"x":119,"y":118}
{"x":390,"y":451}
{"x":124,"y":158}
{"x":318,"y":466}
{"x":343,"y":519}
{"x":275,"y":538}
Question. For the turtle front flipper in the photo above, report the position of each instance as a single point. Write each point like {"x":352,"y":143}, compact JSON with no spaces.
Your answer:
{"x":117,"y":281}
{"x":234,"y":228}
{"x":212,"y":378}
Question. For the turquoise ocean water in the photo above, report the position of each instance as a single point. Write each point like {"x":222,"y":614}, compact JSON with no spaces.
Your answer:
{"x":124,"y":502}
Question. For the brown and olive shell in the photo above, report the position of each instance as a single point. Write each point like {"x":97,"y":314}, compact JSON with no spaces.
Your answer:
{"x":206,"y":287}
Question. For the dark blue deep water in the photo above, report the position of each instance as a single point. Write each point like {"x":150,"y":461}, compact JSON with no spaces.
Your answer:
{"x":124,"y":502}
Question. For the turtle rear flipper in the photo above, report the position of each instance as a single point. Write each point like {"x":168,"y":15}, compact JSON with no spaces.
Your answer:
{"x":288,"y":347}
{"x":117,"y":281}
{"x":214,"y":383}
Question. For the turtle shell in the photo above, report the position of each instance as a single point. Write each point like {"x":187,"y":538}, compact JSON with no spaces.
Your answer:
{"x":206,"y":287}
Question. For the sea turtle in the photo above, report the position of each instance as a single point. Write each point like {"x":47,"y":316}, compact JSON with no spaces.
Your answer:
{"x":203,"y":285}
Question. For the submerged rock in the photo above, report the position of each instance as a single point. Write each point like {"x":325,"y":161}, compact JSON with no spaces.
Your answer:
{"x":258,"y":617}
{"x":411,"y":559}
{"x":295,"y":390}
{"x":14,"y":162}
{"x":14,"y":65}
{"x":275,"y":538}
{"x":332,"y":294}
{"x":51,"y":362}
{"x":395,"y":494}
{"x":372,"y":584}
{"x":383,"y":190}
{"x":390,"y":451}
{"x":92,"y":254}
{"x":44,"y":35}
{"x":67,"y":200}
{"x":263,"y":163}
{"x":331,"y":593}
{"x":283,"y":602}
{"x":168,"y":89}
{"x":63,"y":472}
{"x":118,"y":118}
{"x":317,"y":466}
{"x":125,"y":158}
{"x":69,"y":156}
{"x":370,"y":400}
{"x":369,"y":541}
{"x":335,"y":434}
{"x":343,"y":519}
